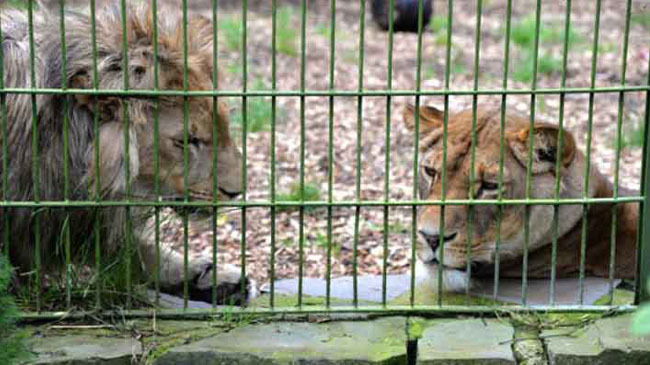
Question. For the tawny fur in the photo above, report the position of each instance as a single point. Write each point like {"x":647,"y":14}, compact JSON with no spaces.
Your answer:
{"x":484,"y":224}
{"x":47,"y":110}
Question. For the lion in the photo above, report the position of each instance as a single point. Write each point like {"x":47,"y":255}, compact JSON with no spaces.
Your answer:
{"x":451,"y":249}
{"x":52,"y":110}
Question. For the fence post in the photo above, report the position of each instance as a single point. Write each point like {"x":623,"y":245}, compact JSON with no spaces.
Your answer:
{"x":643,"y":253}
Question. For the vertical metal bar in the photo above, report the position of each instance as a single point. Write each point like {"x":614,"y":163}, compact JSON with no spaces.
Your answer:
{"x":389,"y":86}
{"x":215,"y":148}
{"x":416,"y":148}
{"x":643,"y":254}
{"x":127,"y":160}
{"x":98,"y":193}
{"x":156,"y":148}
{"x":244,"y":140}
{"x":502,"y":142}
{"x":330,"y":150}
{"x":186,"y":160}
{"x":301,"y":217}
{"x":66,"y":158}
{"x":274,"y":102}
{"x":529,"y":168}
{"x":35,"y":159}
{"x":5,"y":154}
{"x":619,"y":130}
{"x":445,"y":124}
{"x":472,"y":172}
{"x":558,"y":159}
{"x":357,"y":210}
{"x":590,"y":115}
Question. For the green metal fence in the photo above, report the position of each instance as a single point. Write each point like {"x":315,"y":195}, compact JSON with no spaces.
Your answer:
{"x":330,"y":203}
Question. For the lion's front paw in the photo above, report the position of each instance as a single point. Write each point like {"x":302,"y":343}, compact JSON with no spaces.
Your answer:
{"x":232,"y":288}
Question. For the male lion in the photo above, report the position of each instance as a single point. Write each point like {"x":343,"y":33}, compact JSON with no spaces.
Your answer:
{"x":81,"y":111}
{"x":453,"y":254}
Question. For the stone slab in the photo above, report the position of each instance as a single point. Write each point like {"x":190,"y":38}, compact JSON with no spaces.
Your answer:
{"x":380,"y":341}
{"x":370,"y":288}
{"x":606,"y":341}
{"x":466,"y":341}
{"x":567,"y":290}
{"x":84,"y":349}
{"x":173,"y":301}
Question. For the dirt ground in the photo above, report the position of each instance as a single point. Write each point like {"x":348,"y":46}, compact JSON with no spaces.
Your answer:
{"x":374,"y":119}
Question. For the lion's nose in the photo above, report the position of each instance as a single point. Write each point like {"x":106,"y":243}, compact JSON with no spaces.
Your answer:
{"x":230,"y":194}
{"x":433,"y":239}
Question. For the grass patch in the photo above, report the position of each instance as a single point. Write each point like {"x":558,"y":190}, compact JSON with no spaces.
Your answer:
{"x":231,"y":29}
{"x":311,"y":193}
{"x":547,"y":64}
{"x":632,"y":136}
{"x":321,"y":241}
{"x":438,"y":24}
{"x":523,"y":33}
{"x":285,"y":32}
{"x":258,"y":111}
{"x":13,"y":346}
{"x":642,"y":19}
{"x":17,"y":4}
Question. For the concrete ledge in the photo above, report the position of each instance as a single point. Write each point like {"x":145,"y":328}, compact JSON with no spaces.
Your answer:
{"x":326,"y":341}
{"x":380,"y":341}
{"x":466,"y":341}
{"x":85,"y":349}
{"x":606,"y":341}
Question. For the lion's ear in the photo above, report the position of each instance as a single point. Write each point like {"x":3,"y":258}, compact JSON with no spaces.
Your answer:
{"x":545,"y":147}
{"x":430,"y":118}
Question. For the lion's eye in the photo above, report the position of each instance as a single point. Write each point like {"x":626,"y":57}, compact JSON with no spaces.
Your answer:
{"x":485,"y":185}
{"x":191,"y":140}
{"x":430,"y":171}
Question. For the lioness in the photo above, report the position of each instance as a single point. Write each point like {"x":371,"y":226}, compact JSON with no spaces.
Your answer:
{"x":80,"y":113}
{"x":484,"y":227}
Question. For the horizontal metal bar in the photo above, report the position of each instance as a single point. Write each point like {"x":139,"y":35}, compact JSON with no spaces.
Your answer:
{"x":320,"y":203}
{"x":294,"y":93}
{"x":374,"y":310}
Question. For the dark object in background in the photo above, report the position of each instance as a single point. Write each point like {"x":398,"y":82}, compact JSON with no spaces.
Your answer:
{"x":405,"y":14}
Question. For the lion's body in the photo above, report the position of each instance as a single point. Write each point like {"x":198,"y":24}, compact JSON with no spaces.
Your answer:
{"x":485,"y":232}
{"x":109,"y":178}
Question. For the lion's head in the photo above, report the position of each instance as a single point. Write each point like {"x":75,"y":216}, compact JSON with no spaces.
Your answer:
{"x":483,"y":228}
{"x":207,"y":119}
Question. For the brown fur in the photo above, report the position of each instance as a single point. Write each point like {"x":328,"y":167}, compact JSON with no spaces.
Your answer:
{"x":484,"y":227}
{"x":81,"y":112}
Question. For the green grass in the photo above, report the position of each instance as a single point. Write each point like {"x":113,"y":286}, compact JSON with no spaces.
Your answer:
{"x":286,"y":32}
{"x":258,"y":111}
{"x":231,"y":29}
{"x":523,"y":33}
{"x":13,"y":347}
{"x":311,"y":193}
{"x":438,"y":24}
{"x":547,"y":64}
{"x":551,"y":33}
{"x":322,"y":29}
{"x":642,"y":19}
{"x":18,"y":4}
{"x":320,"y":240}
{"x":632,"y":136}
